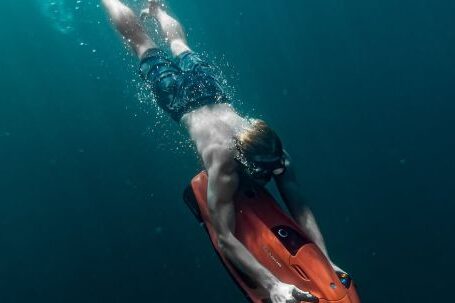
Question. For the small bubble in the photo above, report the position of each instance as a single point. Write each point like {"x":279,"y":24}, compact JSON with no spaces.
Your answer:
{"x":93,"y":50}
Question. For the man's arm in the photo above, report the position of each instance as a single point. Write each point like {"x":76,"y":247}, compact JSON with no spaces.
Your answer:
{"x":222,"y":185}
{"x":291,"y":193}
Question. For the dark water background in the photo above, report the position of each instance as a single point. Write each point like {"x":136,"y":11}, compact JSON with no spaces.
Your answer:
{"x":362,"y":93}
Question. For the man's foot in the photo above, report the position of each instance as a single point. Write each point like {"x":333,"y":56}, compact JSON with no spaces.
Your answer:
{"x":152,"y":9}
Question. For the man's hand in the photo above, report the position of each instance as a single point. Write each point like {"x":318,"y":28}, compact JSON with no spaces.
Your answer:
{"x":286,"y":293}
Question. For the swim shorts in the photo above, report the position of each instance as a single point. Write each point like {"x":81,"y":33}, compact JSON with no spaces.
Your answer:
{"x":183,"y":85}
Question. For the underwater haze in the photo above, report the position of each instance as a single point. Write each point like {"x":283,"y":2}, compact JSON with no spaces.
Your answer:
{"x":92,"y":173}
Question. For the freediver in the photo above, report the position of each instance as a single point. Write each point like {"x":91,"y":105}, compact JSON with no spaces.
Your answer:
{"x":235,"y":151}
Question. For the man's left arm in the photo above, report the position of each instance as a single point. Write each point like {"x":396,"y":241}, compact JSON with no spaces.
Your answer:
{"x":291,"y":193}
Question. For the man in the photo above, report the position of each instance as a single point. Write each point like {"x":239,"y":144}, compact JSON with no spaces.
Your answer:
{"x":235,"y":151}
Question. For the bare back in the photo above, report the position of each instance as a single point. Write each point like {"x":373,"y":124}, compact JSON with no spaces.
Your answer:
{"x":213,"y":126}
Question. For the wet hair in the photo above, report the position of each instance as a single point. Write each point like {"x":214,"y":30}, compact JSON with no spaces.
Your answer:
{"x":258,"y":139}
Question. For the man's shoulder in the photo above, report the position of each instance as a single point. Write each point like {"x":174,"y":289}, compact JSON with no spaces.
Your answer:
{"x":219,"y":155}
{"x":218,"y":151}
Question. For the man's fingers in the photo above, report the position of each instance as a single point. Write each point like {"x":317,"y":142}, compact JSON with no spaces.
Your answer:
{"x":303,"y":296}
{"x":278,"y":299}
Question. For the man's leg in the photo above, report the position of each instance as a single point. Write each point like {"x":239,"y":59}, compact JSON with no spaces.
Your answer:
{"x":128,"y":25}
{"x":171,"y":29}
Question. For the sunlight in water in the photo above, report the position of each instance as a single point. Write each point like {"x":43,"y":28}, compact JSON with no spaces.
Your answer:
{"x":60,"y":13}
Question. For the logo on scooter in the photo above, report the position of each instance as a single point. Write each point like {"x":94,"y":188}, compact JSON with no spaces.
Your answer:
{"x":269,"y":253}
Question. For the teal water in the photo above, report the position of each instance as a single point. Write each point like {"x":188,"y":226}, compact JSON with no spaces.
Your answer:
{"x":91,"y":173}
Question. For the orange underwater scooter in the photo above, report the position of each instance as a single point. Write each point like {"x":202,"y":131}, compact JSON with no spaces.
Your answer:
{"x":276,"y":242}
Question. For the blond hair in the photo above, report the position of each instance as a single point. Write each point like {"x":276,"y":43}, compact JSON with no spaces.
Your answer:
{"x":258,"y":139}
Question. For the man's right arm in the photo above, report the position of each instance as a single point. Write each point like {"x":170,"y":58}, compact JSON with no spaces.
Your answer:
{"x":222,"y":184}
